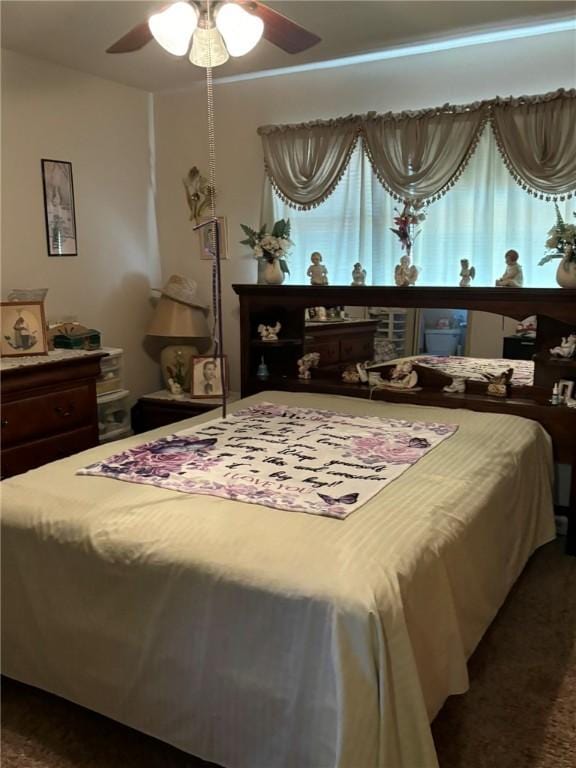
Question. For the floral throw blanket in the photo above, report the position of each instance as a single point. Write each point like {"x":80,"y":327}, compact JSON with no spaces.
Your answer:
{"x":474,"y":368}
{"x":299,"y":459}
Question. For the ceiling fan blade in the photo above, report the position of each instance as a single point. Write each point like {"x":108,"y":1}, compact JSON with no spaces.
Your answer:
{"x":137,"y":38}
{"x":282,"y":31}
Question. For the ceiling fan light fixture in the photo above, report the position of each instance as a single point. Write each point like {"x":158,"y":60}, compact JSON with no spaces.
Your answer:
{"x":241,"y":30}
{"x":208,"y":49}
{"x":173,"y":28}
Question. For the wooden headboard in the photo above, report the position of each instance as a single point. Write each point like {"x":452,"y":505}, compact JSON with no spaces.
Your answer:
{"x":555,"y":309}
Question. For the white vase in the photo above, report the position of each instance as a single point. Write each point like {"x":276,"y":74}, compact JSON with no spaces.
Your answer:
{"x":272,"y":273}
{"x":566,"y":273}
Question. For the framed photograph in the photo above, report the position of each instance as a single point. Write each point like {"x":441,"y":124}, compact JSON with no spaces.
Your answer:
{"x":565,"y":390}
{"x":22,"y":329}
{"x":205,"y":235}
{"x":59,"y":208}
{"x":206,"y":378}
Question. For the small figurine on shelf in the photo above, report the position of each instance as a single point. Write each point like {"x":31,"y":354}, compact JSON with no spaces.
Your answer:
{"x":175,"y":388}
{"x":350,"y":375}
{"x":567,"y":348}
{"x":358,"y":275}
{"x":321,"y":314}
{"x":317,"y":272}
{"x":405,"y":273}
{"x":403,"y":376}
{"x":269,"y":332}
{"x":310,"y":360}
{"x":499,"y":384}
{"x":513,"y":276}
{"x":467,"y":273}
{"x":457,"y":385}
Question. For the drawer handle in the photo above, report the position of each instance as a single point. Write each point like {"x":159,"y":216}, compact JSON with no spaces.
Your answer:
{"x":4,"y":422}
{"x":64,"y":412}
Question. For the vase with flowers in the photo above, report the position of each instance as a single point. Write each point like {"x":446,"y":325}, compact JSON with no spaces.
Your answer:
{"x":406,"y":221}
{"x":561,"y":244}
{"x":271,"y":248}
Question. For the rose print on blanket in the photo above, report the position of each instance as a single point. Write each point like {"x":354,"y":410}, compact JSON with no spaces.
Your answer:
{"x":297,"y":459}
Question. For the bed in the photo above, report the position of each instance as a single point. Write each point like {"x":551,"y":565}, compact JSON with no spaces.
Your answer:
{"x":260,"y":638}
{"x":474,"y":368}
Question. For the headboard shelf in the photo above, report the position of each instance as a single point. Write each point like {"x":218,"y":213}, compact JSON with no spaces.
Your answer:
{"x":555,"y":309}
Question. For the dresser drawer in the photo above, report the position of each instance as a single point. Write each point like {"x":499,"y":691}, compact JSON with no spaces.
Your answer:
{"x":21,"y":458}
{"x":356,"y":348}
{"x":42,"y":415}
{"x":329,"y":351}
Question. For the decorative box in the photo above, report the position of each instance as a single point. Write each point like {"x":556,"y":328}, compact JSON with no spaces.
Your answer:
{"x":75,"y":336}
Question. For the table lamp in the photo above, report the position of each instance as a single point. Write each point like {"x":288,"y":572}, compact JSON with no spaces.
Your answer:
{"x":180,"y":319}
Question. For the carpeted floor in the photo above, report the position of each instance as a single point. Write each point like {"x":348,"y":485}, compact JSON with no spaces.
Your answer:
{"x":520,"y":711}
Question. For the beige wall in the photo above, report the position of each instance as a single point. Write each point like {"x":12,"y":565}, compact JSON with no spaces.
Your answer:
{"x":532,"y":65}
{"x":103,"y":129}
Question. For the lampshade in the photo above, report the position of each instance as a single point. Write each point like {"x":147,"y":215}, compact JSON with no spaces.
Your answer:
{"x":172,"y":319}
{"x":241,"y":30}
{"x":208,"y":49}
{"x":173,"y":27}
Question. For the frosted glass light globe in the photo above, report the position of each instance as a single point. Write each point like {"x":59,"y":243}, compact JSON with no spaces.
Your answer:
{"x":173,"y":28}
{"x":241,"y":30}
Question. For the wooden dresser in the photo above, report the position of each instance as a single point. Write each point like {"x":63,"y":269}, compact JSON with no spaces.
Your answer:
{"x":48,"y":409}
{"x":341,"y":341}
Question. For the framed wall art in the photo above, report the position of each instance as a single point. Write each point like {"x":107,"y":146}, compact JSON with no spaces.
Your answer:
{"x":205,"y":239}
{"x":59,"y":208}
{"x":22,"y":329}
{"x":206,"y":378}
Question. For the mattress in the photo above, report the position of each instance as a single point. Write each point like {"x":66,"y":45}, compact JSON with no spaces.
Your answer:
{"x":474,"y":368}
{"x":259,"y":638}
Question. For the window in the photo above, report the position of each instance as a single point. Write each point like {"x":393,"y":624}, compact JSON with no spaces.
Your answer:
{"x":480,"y":218}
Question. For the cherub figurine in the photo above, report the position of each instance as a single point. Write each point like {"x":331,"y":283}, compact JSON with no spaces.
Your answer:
{"x":500,"y":383}
{"x":467,"y":273}
{"x":403,"y":376}
{"x":405,"y":273}
{"x":513,"y":276}
{"x":567,"y":348}
{"x":309,"y":360}
{"x":358,"y":275}
{"x":269,"y":332}
{"x":317,"y":272}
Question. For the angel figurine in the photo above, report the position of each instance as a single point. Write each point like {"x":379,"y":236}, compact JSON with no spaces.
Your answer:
{"x":310,"y":360}
{"x":405,"y":273}
{"x":358,"y":275}
{"x":567,"y":348}
{"x":269,"y":332}
{"x":317,"y":272}
{"x":513,"y":277}
{"x":499,"y":384}
{"x":467,"y":273}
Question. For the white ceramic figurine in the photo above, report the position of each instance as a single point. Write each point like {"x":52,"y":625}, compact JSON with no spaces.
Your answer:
{"x":567,"y":348}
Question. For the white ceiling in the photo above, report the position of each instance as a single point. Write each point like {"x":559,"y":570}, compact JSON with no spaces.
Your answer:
{"x":76,"y":33}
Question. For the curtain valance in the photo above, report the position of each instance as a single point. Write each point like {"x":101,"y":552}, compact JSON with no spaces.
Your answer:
{"x":306,"y":162}
{"x":420,"y":155}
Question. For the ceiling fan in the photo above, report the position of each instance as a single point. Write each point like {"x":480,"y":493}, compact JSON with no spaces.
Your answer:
{"x":212,"y":31}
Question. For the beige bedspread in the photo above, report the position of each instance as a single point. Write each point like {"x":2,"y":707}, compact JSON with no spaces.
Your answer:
{"x":258,"y":638}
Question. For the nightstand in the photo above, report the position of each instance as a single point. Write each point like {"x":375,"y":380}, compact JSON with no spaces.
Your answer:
{"x":161,"y":408}
{"x":519,"y":347}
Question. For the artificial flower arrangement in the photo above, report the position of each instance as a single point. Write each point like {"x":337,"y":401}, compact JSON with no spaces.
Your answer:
{"x":405,"y":220}
{"x":561,"y":240}
{"x":270,"y":245}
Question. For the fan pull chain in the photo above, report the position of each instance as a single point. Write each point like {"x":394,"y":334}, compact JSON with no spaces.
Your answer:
{"x":213,"y":233}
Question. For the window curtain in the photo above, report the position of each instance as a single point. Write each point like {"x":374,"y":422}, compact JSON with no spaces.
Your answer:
{"x":305,"y":163}
{"x":537,"y":140}
{"x":419,"y":156}
{"x":484,"y":215}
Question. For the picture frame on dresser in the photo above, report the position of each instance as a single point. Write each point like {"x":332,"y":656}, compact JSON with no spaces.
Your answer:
{"x":22,"y":329}
{"x":59,"y":207}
